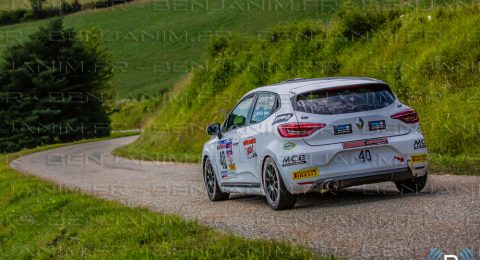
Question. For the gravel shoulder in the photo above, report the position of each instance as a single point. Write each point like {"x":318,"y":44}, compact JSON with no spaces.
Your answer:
{"x":371,"y":221}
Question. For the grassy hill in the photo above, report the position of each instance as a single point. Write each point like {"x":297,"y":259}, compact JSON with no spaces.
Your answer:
{"x":430,"y":58}
{"x":154,"y":45}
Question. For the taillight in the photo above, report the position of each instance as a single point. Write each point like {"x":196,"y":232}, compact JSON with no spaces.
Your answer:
{"x":409,"y":116}
{"x":293,"y":130}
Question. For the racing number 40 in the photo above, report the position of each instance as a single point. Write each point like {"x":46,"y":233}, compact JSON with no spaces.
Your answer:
{"x":365,"y":155}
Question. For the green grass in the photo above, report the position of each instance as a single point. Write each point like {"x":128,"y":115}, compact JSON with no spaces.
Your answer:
{"x":41,"y":220}
{"x":457,"y":165}
{"x":154,"y":47}
{"x":436,"y":73}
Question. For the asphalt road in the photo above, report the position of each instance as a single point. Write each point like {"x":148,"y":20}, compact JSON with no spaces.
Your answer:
{"x":370,"y":221}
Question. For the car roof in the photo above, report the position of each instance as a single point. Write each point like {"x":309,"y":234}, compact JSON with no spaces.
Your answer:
{"x":285,"y":87}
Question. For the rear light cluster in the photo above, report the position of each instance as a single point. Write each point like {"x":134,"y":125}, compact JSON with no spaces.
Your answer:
{"x":295,"y":130}
{"x":409,"y":116}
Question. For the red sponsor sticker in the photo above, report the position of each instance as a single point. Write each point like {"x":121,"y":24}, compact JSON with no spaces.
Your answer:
{"x":249,"y":141}
{"x":398,"y":157}
{"x":366,"y":142}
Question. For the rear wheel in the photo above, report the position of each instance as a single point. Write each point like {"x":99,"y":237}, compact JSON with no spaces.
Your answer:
{"x":211,"y":183}
{"x":414,"y":185}
{"x":278,"y":197}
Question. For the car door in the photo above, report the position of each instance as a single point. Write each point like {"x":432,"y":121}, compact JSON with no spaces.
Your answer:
{"x":256,"y":136}
{"x":228,"y":148}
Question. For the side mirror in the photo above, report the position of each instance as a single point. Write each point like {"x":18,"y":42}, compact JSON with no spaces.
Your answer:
{"x":214,"y":129}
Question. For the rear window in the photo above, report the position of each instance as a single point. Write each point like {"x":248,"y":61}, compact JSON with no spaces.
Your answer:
{"x":345,"y":99}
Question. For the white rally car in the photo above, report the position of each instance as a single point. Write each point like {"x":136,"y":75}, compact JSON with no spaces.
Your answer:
{"x":307,"y":135}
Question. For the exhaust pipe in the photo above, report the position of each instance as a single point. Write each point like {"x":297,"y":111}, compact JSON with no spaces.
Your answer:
{"x":332,"y":185}
{"x":329,"y":185}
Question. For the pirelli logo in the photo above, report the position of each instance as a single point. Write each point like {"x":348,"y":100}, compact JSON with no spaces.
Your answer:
{"x":304,"y":174}
{"x":416,"y":158}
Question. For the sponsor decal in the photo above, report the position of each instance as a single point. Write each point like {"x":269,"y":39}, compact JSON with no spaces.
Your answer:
{"x":359,"y":122}
{"x":260,"y":113}
{"x":294,"y":160}
{"x":289,"y":146}
{"x":418,"y":129}
{"x":282,"y":118}
{"x":419,"y":144}
{"x":419,"y":158}
{"x":376,"y":125}
{"x":304,"y":174}
{"x":225,"y":153}
{"x":224,"y":174}
{"x":223,"y":160}
{"x":249,"y":146}
{"x":399,"y":158}
{"x":365,"y":142}
{"x":229,"y":152}
{"x":221,"y":144}
{"x":342,"y":129}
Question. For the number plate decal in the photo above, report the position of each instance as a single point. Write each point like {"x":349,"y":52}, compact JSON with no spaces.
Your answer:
{"x":364,"y":155}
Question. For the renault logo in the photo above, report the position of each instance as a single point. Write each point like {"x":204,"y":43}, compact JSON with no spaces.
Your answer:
{"x":359,"y":123}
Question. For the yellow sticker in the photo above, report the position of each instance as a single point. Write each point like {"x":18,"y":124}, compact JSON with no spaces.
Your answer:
{"x":419,"y":158}
{"x":303,"y":174}
{"x":232,"y":167}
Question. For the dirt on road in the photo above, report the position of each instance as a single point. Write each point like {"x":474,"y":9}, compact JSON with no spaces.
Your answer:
{"x":370,"y":221}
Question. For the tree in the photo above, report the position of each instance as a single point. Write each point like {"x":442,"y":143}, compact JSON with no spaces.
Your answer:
{"x":37,"y":6}
{"x":53,"y":89}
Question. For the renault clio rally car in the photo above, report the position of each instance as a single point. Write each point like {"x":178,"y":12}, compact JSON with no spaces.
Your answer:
{"x":307,"y":135}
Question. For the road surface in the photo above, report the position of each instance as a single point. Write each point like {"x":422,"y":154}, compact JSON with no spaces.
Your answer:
{"x":370,"y":221}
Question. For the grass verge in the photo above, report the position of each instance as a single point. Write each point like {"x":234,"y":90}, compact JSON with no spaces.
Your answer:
{"x":41,"y":220}
{"x":456,"y":165}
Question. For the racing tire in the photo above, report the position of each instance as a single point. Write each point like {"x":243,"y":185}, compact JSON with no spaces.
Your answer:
{"x":278,"y":197}
{"x":211,"y":183}
{"x":414,"y":185}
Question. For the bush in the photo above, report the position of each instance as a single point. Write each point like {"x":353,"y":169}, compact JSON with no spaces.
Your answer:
{"x":11,"y":17}
{"x":356,"y":24}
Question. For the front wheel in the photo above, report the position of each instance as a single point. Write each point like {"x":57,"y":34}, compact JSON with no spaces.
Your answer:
{"x":414,"y":185}
{"x":211,"y":183}
{"x":278,"y":197}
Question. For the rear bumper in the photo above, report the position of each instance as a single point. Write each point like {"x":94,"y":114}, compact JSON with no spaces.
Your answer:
{"x":393,"y":161}
{"x":345,"y":181}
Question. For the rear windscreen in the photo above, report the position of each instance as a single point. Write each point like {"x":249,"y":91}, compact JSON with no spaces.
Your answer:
{"x":344,"y":99}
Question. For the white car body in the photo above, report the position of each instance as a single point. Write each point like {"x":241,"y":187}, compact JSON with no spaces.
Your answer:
{"x":350,"y":149}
